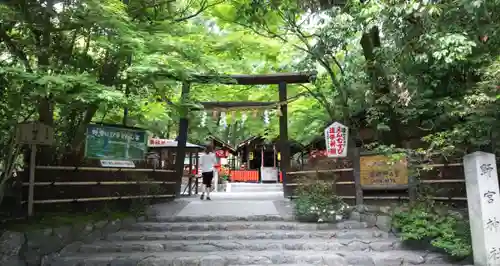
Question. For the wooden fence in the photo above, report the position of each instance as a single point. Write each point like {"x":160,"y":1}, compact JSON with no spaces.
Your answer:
{"x":56,"y":185}
{"x":440,"y":182}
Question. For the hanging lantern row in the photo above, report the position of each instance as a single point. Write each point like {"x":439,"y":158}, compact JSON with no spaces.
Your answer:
{"x":223,"y":121}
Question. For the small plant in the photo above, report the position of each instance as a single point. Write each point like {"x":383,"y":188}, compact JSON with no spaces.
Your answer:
{"x":224,"y":173}
{"x":316,"y":202}
{"x":426,"y":224}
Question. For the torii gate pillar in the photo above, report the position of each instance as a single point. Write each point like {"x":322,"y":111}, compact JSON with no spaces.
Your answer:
{"x":284,"y":145}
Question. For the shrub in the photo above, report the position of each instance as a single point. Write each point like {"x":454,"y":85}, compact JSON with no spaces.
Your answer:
{"x":316,"y":202}
{"x":426,"y":223}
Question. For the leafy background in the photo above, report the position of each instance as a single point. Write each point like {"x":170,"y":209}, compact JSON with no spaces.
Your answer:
{"x":424,"y":72}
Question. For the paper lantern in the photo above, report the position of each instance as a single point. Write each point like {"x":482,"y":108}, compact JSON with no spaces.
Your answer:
{"x":243,"y":118}
{"x":266,"y":117}
{"x":203,"y":121}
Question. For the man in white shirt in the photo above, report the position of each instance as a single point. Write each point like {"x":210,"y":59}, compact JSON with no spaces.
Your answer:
{"x":207,"y":165}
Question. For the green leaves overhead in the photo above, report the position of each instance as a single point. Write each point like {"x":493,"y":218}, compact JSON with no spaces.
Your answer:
{"x":407,"y":70}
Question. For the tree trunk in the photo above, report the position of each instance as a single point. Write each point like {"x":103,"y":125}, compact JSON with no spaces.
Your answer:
{"x":381,"y":85}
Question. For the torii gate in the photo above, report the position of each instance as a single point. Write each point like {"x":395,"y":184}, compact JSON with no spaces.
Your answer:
{"x":279,"y":79}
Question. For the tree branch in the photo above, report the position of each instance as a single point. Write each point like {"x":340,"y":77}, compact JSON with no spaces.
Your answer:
{"x":204,"y":6}
{"x":15,"y":48}
{"x":321,"y":99}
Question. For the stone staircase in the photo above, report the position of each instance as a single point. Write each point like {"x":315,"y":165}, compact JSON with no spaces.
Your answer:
{"x":251,"y":240}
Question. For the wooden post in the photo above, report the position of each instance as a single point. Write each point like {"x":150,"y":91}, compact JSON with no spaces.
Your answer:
{"x":274,"y":155}
{"x":247,"y":150}
{"x":261,"y":156}
{"x":182,"y":139}
{"x":160,"y":158}
{"x":261,"y":164}
{"x":412,"y":180}
{"x":197,"y":169}
{"x":190,"y":181}
{"x":357,"y":174}
{"x":302,"y":160}
{"x":284,"y":147}
{"x":31,"y":188}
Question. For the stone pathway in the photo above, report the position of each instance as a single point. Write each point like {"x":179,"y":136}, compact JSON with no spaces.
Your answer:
{"x":234,"y":230}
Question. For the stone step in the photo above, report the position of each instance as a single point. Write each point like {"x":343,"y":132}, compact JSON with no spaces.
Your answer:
{"x":247,"y":196}
{"x":241,"y":184}
{"x":275,"y":264}
{"x":232,"y":226}
{"x":250,"y":234}
{"x":242,"y":245}
{"x":256,"y":189}
{"x":425,"y":264}
{"x":215,"y":218}
{"x":362,"y":258}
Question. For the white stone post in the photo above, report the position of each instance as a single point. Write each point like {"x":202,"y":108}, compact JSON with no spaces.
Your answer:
{"x":216,"y":180}
{"x":483,"y":200}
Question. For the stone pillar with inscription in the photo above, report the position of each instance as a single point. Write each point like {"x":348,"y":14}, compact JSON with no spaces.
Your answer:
{"x":483,"y":200}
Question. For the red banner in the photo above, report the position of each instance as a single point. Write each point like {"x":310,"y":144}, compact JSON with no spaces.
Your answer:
{"x":221,"y":153}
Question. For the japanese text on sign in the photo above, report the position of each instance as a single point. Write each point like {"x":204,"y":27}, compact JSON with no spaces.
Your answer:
{"x":115,"y":143}
{"x":100,"y":132}
{"x":486,"y":170}
{"x":489,"y":195}
{"x":336,"y":138}
{"x":492,"y":224}
{"x":494,"y":254}
{"x":379,"y":170}
{"x":157,"y":141}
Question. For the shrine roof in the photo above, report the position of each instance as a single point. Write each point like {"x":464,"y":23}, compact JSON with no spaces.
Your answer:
{"x":294,"y":145}
{"x":248,"y":141}
{"x":223,"y":143}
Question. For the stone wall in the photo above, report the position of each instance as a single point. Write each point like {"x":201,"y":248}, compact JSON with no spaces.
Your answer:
{"x":381,"y":216}
{"x":373,"y":215}
{"x":34,"y":247}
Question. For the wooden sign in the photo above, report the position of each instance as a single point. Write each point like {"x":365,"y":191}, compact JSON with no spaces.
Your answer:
{"x":34,"y":133}
{"x":382,"y":172}
{"x":336,"y":138}
{"x":115,"y":143}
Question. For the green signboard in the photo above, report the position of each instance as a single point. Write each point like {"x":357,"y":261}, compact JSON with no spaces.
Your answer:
{"x":115,"y":143}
